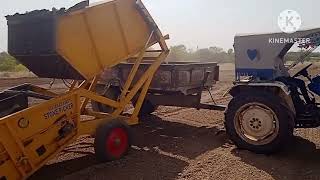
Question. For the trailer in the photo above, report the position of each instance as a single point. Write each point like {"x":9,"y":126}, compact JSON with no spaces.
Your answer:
{"x":178,"y":84}
{"x":78,"y":43}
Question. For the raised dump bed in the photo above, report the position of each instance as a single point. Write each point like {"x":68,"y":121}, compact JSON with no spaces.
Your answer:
{"x":69,"y":44}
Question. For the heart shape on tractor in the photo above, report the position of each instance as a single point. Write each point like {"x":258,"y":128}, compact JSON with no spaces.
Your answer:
{"x":252,"y":54}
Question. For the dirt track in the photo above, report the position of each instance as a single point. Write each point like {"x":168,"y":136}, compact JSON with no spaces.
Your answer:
{"x":180,"y":143}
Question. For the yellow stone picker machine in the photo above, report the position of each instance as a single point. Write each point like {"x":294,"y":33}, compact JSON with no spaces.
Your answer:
{"x":78,"y":44}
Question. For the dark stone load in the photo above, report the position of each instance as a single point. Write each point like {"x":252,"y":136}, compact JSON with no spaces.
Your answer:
{"x":32,"y":41}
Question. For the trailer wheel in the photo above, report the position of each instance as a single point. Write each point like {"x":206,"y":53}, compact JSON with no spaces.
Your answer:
{"x":147,"y":108}
{"x":258,"y":122}
{"x":112,"y":140}
{"x":111,"y":93}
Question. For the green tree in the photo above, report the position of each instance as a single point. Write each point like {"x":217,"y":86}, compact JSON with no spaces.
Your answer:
{"x":178,"y":53}
{"x":230,"y":51}
{"x":204,"y":55}
{"x":216,"y":50}
{"x":9,"y":63}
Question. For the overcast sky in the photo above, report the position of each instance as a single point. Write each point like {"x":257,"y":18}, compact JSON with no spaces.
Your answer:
{"x":195,"y":23}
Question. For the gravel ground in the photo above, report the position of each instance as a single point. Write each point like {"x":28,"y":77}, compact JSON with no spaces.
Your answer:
{"x":181,"y":143}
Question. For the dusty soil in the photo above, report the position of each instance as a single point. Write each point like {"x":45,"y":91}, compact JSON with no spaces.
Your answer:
{"x":181,"y":143}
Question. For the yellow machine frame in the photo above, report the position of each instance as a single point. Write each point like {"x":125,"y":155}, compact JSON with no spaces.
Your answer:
{"x":31,"y":137}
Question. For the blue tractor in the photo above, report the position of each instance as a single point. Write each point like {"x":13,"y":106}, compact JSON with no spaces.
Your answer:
{"x":269,"y":98}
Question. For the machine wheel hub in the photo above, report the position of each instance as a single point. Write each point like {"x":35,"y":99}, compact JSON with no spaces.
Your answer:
{"x":117,"y":142}
{"x":256,"y":123}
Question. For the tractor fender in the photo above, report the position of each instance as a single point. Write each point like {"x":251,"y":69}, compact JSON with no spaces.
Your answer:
{"x":276,"y":88}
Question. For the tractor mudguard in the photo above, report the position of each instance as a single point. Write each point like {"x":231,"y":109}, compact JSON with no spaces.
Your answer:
{"x":276,"y":87}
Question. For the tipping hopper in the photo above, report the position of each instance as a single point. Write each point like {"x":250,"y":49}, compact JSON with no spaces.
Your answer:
{"x":79,"y":43}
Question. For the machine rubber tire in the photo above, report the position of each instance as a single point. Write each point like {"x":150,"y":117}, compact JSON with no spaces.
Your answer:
{"x":147,"y":108}
{"x":285,"y":121}
{"x":111,"y":93}
{"x":112,"y":140}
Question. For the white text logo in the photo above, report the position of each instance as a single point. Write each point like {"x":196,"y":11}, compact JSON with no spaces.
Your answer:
{"x":289,"y":21}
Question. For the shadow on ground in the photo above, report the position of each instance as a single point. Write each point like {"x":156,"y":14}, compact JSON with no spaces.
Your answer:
{"x":160,"y":150}
{"x":300,"y":160}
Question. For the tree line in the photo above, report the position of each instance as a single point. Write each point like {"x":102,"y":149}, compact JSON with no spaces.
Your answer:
{"x":217,"y":54}
{"x":292,"y":56}
{"x":211,"y":54}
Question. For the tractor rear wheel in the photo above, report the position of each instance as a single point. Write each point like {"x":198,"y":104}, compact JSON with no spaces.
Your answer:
{"x":112,"y":140}
{"x":259,"y":122}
